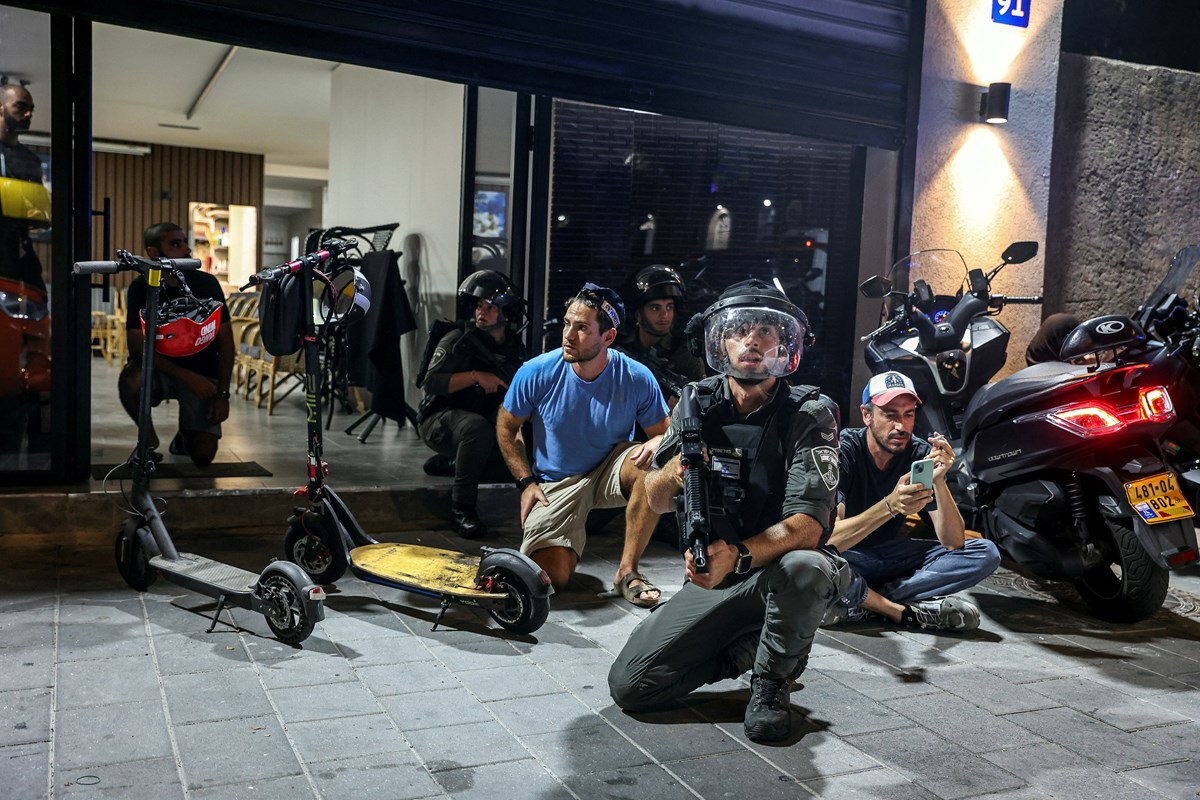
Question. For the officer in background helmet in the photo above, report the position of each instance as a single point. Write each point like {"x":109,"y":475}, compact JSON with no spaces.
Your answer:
{"x":657,"y":296}
{"x":465,"y":381}
{"x":772,"y":476}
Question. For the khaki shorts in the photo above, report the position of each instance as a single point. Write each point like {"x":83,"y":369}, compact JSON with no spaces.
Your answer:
{"x":562,"y":523}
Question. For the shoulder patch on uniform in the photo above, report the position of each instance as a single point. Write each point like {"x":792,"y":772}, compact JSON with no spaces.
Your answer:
{"x":825,"y":459}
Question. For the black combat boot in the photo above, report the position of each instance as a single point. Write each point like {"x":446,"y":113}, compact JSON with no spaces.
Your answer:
{"x":439,"y":464}
{"x":769,"y":714}
{"x":467,"y":522}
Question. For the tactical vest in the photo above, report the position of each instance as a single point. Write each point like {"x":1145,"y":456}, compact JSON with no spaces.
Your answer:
{"x":747,"y":472}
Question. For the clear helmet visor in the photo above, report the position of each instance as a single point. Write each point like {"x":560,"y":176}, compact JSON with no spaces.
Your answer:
{"x":753,"y":342}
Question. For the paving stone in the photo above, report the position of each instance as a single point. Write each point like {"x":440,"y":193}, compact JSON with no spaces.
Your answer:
{"x":32,"y":627}
{"x":671,"y":735}
{"x":345,"y":737}
{"x":960,"y":722}
{"x":1113,"y":748}
{"x":513,"y":779}
{"x":111,"y":734}
{"x":870,"y":784}
{"x":710,"y":777}
{"x":25,"y":667}
{"x":847,"y":711}
{"x":1062,"y":773}
{"x":556,"y":643}
{"x":1148,"y":654}
{"x":181,"y":613}
{"x":505,"y":683}
{"x":988,"y":691}
{"x":939,"y":765}
{"x":585,"y":677}
{"x":415,"y":676}
{"x":393,"y":649}
{"x":1115,"y":708}
{"x":396,"y":776}
{"x":208,"y":696}
{"x":198,"y":652}
{"x":101,"y":632}
{"x":300,"y":703}
{"x":417,"y":710}
{"x":248,"y":749}
{"x":648,"y":781}
{"x":290,"y":787}
{"x":1013,"y":659}
{"x":1132,"y":679}
{"x":24,"y":716}
{"x":369,"y":621}
{"x":542,"y":714}
{"x":137,"y":780}
{"x":875,"y":680}
{"x":105,"y":680}
{"x":1172,"y":780}
{"x":810,"y":752}
{"x":469,"y":745}
{"x":585,"y":749}
{"x":1185,"y":704}
{"x":889,"y":645}
{"x":477,"y":653}
{"x":25,"y":769}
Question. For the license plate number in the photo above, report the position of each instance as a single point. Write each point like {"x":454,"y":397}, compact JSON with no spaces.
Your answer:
{"x":1158,"y":499}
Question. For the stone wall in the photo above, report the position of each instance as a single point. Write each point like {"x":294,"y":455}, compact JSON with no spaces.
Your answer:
{"x":1125,"y":182}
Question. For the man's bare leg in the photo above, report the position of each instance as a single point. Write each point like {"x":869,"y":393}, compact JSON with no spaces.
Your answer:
{"x":882,"y":606}
{"x":559,"y":563}
{"x":639,"y":525}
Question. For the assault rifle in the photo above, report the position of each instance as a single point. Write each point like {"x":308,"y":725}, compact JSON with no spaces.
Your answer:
{"x":694,"y":527}
{"x":670,"y":381}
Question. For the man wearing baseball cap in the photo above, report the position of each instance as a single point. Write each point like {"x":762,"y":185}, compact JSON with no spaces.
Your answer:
{"x":909,"y":581}
{"x":584,"y":400}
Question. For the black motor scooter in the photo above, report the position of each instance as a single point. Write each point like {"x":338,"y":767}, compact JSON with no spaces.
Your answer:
{"x":282,"y":593}
{"x":324,"y":538}
{"x":1059,"y":464}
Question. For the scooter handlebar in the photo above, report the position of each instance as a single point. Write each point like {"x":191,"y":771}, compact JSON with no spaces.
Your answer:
{"x":1017,"y":299}
{"x":95,"y":267}
{"x":333,"y":247}
{"x":109,"y":267}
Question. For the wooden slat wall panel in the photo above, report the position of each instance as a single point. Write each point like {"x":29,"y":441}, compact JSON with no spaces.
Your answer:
{"x":158,"y":187}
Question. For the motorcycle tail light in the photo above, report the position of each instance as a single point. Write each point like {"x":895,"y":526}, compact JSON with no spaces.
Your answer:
{"x":1155,"y":404}
{"x":1087,"y":419}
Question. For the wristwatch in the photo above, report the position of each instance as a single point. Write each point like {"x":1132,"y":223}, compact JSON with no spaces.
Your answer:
{"x":744,"y":559}
{"x":523,"y":483}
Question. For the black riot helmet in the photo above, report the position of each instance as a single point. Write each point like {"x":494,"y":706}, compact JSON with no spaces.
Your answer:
{"x":755,"y":309}
{"x":657,"y":282}
{"x":497,"y":289}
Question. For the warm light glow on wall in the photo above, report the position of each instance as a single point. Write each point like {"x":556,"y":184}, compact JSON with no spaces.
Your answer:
{"x":981,"y":181}
{"x":990,"y":48}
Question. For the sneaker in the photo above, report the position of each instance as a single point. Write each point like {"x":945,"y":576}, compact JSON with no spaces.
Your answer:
{"x":943,"y":614}
{"x":837,"y":614}
{"x":769,"y":714}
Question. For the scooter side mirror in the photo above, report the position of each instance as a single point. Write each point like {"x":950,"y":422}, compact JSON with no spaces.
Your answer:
{"x":876,"y":287}
{"x":1019,"y":252}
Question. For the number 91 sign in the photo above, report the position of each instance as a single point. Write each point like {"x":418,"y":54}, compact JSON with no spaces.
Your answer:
{"x":1011,"y":12}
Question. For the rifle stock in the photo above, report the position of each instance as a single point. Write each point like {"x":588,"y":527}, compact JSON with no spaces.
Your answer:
{"x":694,"y":529}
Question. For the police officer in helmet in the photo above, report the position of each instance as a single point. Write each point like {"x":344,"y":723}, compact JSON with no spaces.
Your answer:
{"x":464,"y":384}
{"x":657,"y":296}
{"x":772,"y":473}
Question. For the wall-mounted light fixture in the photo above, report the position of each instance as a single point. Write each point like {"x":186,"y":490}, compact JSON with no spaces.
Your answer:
{"x":993,"y":103}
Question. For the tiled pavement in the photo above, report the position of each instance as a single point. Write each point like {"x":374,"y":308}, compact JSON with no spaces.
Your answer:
{"x":107,"y":693}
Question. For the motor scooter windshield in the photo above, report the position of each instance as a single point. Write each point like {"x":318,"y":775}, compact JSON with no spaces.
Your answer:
{"x":1176,"y":282}
{"x":941,"y":269}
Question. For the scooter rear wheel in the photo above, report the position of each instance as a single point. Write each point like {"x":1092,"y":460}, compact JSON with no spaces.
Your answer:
{"x":286,"y":614}
{"x":132,"y":562}
{"x":1129,"y":589}
{"x":320,"y":555}
{"x":522,"y":612}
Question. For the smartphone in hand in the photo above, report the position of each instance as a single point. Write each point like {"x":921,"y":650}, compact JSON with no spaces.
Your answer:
{"x":922,"y":473}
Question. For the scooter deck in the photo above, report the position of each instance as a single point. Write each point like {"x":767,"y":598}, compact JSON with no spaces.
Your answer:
{"x":446,"y":571}
{"x":199,"y":568}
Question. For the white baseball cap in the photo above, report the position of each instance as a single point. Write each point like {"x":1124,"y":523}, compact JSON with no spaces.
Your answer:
{"x":886,"y":387}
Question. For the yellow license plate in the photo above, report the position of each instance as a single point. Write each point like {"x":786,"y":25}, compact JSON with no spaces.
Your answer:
{"x":1158,"y":499}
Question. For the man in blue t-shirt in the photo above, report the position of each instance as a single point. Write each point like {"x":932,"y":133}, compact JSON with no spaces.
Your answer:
{"x":584,"y":401}
{"x":904,"y":580}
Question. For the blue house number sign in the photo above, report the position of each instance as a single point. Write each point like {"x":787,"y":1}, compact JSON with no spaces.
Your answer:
{"x":1011,"y":12}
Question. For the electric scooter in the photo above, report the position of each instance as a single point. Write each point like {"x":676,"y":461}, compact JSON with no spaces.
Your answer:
{"x":282,"y":593}
{"x":325,"y":539}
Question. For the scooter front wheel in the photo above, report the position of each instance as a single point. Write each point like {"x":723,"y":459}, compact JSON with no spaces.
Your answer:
{"x":318,"y":554}
{"x":132,"y":561}
{"x":286,"y":614}
{"x":522,"y":611}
